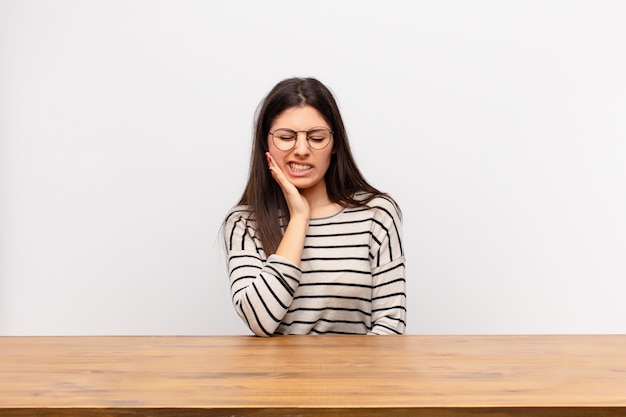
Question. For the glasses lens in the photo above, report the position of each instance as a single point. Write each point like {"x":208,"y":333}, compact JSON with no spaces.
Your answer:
{"x":284,"y":139}
{"x":318,"y":138}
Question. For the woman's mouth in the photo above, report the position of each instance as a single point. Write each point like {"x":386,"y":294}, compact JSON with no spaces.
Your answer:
{"x":299,"y":168}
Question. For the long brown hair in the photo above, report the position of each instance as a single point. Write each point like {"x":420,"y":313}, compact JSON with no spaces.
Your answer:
{"x":263,"y":195}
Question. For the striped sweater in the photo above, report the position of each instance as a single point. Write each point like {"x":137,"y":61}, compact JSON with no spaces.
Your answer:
{"x":351,"y":278}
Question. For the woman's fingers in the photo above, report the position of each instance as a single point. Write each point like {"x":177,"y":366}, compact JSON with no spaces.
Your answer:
{"x":277,"y":173}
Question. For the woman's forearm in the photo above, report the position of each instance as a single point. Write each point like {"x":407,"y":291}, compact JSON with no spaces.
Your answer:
{"x":292,"y":243}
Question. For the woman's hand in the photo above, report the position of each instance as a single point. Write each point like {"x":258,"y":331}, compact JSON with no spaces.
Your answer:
{"x":292,"y":243}
{"x":298,"y":205}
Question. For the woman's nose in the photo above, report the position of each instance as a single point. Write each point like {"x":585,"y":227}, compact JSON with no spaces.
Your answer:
{"x":302,"y":144}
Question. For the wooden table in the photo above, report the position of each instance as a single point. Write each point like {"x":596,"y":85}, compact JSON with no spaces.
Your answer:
{"x":314,"y":375}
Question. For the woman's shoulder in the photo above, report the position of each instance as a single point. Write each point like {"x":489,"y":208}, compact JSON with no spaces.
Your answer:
{"x":379,"y":202}
{"x":237,"y":213}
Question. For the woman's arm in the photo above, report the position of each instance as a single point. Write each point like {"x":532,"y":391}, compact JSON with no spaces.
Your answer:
{"x":388,"y":269}
{"x":261,"y":289}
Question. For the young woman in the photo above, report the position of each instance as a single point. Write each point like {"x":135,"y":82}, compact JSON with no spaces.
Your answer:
{"x":312,"y":247}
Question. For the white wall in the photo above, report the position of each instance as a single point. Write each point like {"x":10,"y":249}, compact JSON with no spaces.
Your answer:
{"x":125,"y":127}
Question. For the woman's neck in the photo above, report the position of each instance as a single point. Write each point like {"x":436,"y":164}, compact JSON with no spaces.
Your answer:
{"x":319,"y":202}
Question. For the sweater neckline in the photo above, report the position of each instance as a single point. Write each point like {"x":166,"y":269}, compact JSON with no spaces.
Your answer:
{"x":314,"y":219}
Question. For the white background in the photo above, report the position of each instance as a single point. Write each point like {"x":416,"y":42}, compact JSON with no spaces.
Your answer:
{"x":125,"y":130}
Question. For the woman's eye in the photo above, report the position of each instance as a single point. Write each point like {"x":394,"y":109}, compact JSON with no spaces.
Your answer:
{"x":286,"y":138}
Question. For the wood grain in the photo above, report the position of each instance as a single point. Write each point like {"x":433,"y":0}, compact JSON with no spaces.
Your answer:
{"x":565,"y":375}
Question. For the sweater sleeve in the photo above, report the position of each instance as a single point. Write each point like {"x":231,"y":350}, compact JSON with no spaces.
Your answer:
{"x":261,"y":289}
{"x":388,"y":269}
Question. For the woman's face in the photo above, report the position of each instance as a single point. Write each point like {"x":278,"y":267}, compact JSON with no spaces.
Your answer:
{"x":303,"y":165}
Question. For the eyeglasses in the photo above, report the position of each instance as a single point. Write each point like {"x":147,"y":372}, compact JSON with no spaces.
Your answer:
{"x":285,"y":139}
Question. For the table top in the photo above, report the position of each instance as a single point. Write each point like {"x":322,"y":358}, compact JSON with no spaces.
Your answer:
{"x":409,"y":372}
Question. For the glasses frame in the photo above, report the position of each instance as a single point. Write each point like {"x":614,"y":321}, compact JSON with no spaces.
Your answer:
{"x":295,"y":142}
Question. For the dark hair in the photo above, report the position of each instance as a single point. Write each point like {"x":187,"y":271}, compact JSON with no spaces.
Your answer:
{"x":262,"y":194}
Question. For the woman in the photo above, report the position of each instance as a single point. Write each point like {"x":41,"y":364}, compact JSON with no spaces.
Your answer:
{"x":312,"y":247}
